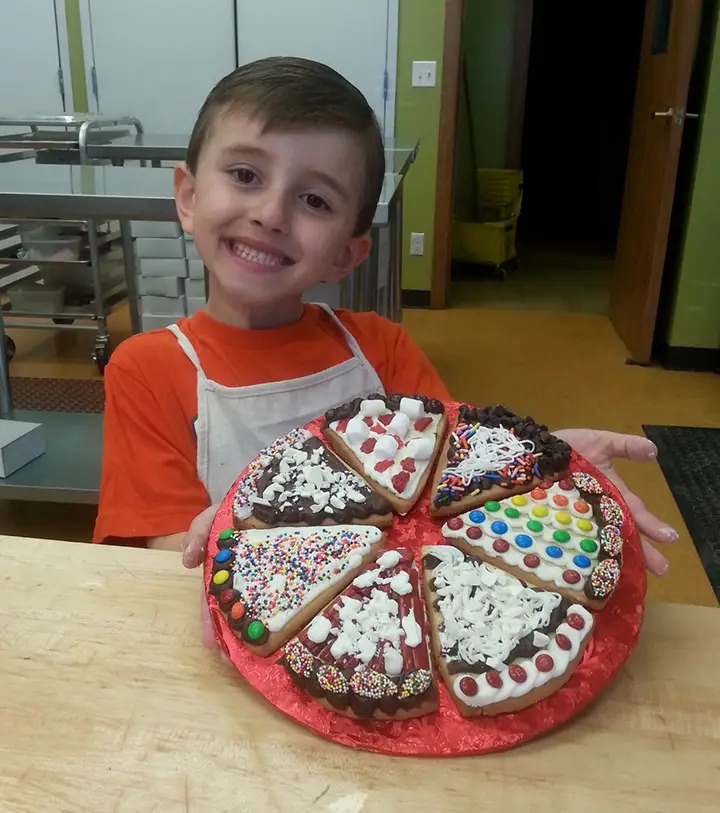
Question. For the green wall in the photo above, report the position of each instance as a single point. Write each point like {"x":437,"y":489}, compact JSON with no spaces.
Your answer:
{"x":77,"y":58}
{"x":417,"y":115}
{"x":695,"y":320}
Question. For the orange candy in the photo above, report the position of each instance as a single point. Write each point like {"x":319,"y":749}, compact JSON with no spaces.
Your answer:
{"x":538,"y":494}
{"x":237,"y":611}
{"x":581,"y":507}
{"x":561,"y":500}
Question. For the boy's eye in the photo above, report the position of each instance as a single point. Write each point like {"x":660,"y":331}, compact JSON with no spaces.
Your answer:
{"x":244,"y":175}
{"x":316,"y":202}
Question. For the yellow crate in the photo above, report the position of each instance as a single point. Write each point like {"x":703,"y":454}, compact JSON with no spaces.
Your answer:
{"x":484,"y":243}
{"x":499,"y":193}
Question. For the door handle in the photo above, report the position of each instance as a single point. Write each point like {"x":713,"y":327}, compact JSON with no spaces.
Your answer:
{"x":677,"y":114}
{"x":665,"y":114}
{"x":692,"y":115}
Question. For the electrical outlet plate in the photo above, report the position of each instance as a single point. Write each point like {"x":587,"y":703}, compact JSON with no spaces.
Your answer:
{"x":417,"y":243}
{"x":424,"y":74}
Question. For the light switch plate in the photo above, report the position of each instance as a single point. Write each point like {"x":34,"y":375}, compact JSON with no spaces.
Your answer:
{"x":423,"y":74}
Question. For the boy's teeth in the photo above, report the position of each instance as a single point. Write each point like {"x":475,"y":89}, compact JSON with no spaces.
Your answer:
{"x":247,"y":253}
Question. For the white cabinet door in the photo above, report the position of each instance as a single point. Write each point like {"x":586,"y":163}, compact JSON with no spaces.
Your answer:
{"x":29,"y":61}
{"x":157,"y":59}
{"x":358,"y":39}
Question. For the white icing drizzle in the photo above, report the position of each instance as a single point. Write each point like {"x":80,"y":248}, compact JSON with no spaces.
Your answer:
{"x":489,"y":450}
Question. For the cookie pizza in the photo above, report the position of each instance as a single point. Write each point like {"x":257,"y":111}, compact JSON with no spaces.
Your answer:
{"x":565,"y":537}
{"x":271,"y":582}
{"x":492,"y":454}
{"x":500,"y":645}
{"x":392,"y":442}
{"x":304,"y":483}
{"x":366,"y":654}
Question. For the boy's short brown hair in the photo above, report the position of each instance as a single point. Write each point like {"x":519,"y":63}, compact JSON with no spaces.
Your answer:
{"x":289,"y":93}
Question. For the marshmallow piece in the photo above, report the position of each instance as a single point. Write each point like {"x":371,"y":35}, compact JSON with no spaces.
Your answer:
{"x":386,"y":447}
{"x":399,"y":425}
{"x":357,"y":431}
{"x":413,"y":408}
{"x":420,"y":448}
{"x":393,"y":661}
{"x":319,"y":630}
{"x":372,"y":407}
{"x":540,"y":639}
{"x":243,"y":511}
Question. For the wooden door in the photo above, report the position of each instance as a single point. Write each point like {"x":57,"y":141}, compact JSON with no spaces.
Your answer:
{"x":668,"y":50}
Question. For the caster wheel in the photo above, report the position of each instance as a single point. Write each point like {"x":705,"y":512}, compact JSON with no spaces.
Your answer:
{"x":101,"y":356}
{"x":63,"y":320}
{"x":10,"y":348}
{"x":501,"y":273}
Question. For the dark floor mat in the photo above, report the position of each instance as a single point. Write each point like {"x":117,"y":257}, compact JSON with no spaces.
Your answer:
{"x":58,"y":394}
{"x":690,"y":460}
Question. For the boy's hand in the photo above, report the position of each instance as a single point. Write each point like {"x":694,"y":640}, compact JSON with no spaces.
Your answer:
{"x":600,"y":448}
{"x":194,"y":545}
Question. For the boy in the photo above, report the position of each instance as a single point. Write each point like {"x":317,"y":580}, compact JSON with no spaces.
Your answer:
{"x":284,"y":169}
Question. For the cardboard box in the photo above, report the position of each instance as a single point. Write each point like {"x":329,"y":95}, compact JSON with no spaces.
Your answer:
{"x":196,"y":269}
{"x":163,"y":305}
{"x":160,"y":286}
{"x":20,"y":442}
{"x":160,"y":247}
{"x":194,"y":304}
{"x":190,"y":251}
{"x":154,"y":228}
{"x":152,"y":322}
{"x":195,"y":288}
{"x":162,"y":268}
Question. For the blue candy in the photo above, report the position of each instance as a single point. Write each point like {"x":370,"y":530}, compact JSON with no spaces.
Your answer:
{"x":222,"y":556}
{"x":477,"y":517}
{"x":554,"y":551}
{"x":499,"y":527}
{"x":581,"y":561}
{"x":523,"y":541}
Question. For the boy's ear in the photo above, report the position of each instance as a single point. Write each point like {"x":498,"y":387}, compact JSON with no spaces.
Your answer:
{"x":354,"y":254}
{"x":184,"y":184}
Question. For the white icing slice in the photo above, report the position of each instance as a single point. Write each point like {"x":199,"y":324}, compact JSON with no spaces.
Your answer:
{"x":393,"y":661}
{"x":319,"y":630}
{"x":388,"y":560}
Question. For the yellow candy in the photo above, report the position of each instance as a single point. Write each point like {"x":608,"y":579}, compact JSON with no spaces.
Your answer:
{"x":519,"y":500}
{"x":540,"y":511}
{"x":563,"y":517}
{"x":584,"y":525}
{"x":221,"y":576}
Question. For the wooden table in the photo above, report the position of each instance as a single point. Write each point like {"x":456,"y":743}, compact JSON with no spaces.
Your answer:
{"x":108,"y":702}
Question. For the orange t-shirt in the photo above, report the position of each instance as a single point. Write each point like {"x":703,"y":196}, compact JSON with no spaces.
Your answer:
{"x":149,"y":481}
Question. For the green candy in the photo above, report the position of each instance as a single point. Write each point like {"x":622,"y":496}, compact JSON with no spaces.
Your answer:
{"x":492,"y":506}
{"x":588,"y":545}
{"x":562,"y":536}
{"x":225,"y":534}
{"x":255,"y":630}
{"x":535,"y":526}
{"x":512,"y":513}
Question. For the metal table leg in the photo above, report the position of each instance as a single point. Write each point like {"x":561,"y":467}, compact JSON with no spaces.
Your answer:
{"x":130,"y":275}
{"x":396,"y":254}
{"x":6,"y":405}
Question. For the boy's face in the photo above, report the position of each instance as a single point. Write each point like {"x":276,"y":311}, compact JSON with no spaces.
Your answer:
{"x":273,"y":214}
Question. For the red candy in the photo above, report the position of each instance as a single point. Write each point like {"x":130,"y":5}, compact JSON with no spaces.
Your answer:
{"x":567,"y":484}
{"x":342,"y":425}
{"x":369,"y":446}
{"x":469,"y":687}
{"x":474,"y":532}
{"x":501,"y":546}
{"x":544,"y":663}
{"x":400,"y":481}
{"x":378,"y":429}
{"x":581,"y":507}
{"x":226,"y":596}
{"x":408,"y":464}
{"x":385,"y":419}
{"x":494,"y":679}
{"x":455,"y":524}
{"x":563,"y":641}
{"x":571,"y":576}
{"x":531,"y":560}
{"x":421,"y":424}
{"x":576,"y":621}
{"x":538,"y":494}
{"x":517,"y":673}
{"x":546,"y":485}
{"x":383,"y":465}
{"x":560,"y":500}
{"x":368,"y":420}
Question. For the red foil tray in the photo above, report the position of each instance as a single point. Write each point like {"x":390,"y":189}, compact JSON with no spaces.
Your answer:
{"x":445,"y":732}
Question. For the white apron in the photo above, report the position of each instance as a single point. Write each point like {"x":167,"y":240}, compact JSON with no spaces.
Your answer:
{"x":234,"y":423}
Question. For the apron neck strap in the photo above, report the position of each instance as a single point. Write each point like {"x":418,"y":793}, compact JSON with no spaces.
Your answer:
{"x":186,"y":347}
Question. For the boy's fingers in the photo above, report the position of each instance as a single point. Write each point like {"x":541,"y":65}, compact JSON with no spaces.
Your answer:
{"x":630,"y":447}
{"x":655,"y":562}
{"x":195,"y":542}
{"x":648,"y":524}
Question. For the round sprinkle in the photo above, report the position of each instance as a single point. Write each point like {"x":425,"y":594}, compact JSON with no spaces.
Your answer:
{"x":468,"y":686}
{"x":538,"y":494}
{"x":584,"y":482}
{"x":566,"y":484}
{"x":523,"y":541}
{"x":493,"y":678}
{"x":415,"y":683}
{"x":581,"y":507}
{"x":581,"y":561}
{"x":584,"y":525}
{"x":237,"y":611}
{"x":517,"y":673}
{"x":255,"y":630}
{"x":223,"y":556}
{"x":299,"y":659}
{"x":221,"y":577}
{"x":455,"y":524}
{"x":331,"y":679}
{"x":531,"y":560}
{"x":611,"y":540}
{"x":534,"y":526}
{"x":511,"y":513}
{"x":492,"y":506}
{"x":571,"y":576}
{"x":518,"y":500}
{"x":499,"y":527}
{"x":588,"y":545}
{"x":477,"y":517}
{"x":501,"y":546}
{"x":561,"y":536}
{"x":554,"y":552}
{"x":563,"y":517}
{"x":604,"y":578}
{"x":225,"y":534}
{"x":560,"y":500}
{"x":540,"y":511}
{"x":544,"y":663}
{"x":576,"y":621}
{"x":473,"y":532}
{"x":563,"y":641}
{"x":611,"y":511}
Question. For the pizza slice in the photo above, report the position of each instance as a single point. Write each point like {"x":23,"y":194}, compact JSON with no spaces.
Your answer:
{"x":271,"y":582}
{"x":392,"y":441}
{"x":366,"y":654}
{"x":567,"y":537}
{"x":305,"y":483}
{"x":492,"y":454}
{"x":500,"y":645}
